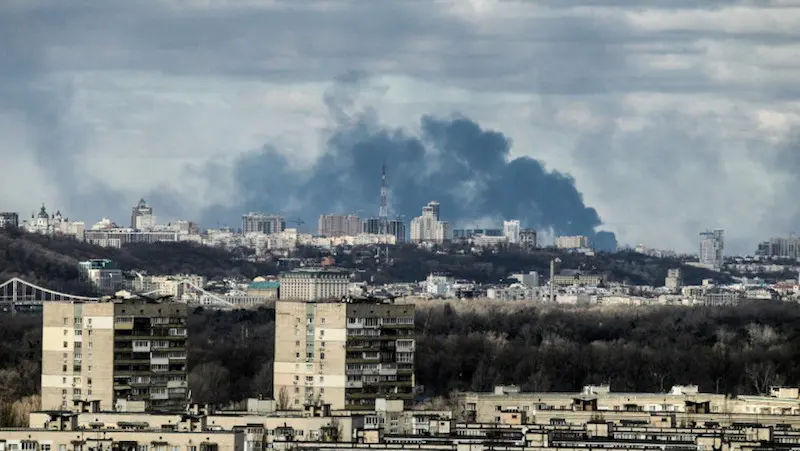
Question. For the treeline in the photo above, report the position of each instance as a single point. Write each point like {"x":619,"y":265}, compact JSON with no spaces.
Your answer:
{"x":52,"y":261}
{"x":410,"y":263}
{"x":736,"y":350}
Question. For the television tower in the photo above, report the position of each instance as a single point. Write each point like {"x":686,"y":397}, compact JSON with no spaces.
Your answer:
{"x":383,"y":212}
{"x":383,"y":216}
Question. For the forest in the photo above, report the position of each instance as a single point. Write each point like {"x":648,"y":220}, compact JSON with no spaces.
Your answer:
{"x":470,"y":346}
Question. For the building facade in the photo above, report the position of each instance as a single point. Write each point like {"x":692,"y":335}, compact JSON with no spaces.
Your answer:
{"x":263,"y":223}
{"x":572,"y":242}
{"x":428,"y":228}
{"x":511,"y":231}
{"x":117,"y":237}
{"x":55,"y":224}
{"x":103,"y":274}
{"x":346,"y":354}
{"x":339,"y":225}
{"x":712,"y":248}
{"x":9,"y":219}
{"x":105,"y":352}
{"x":528,"y":238}
{"x":142,"y":216}
{"x":313,"y":284}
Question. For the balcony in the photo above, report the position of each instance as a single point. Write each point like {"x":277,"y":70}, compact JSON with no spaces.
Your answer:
{"x":354,"y":384}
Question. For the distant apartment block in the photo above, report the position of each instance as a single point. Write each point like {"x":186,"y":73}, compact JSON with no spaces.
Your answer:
{"x":528,"y":238}
{"x":572,"y":242}
{"x":395,"y":227}
{"x":142,"y":216}
{"x":9,"y":219}
{"x":314,"y":284}
{"x":127,"y":351}
{"x":712,"y":248}
{"x":263,"y":223}
{"x":117,"y":237}
{"x":469,"y":234}
{"x":674,"y":280}
{"x":428,"y":228}
{"x":569,"y":278}
{"x":511,"y":231}
{"x":339,"y":225}
{"x":103,"y":274}
{"x":346,"y":354}
{"x":781,"y":247}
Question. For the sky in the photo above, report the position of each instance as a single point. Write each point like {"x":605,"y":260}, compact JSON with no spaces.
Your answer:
{"x":653,"y":120}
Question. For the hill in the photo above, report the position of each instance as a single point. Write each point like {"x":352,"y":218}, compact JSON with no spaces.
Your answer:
{"x":52,"y":262}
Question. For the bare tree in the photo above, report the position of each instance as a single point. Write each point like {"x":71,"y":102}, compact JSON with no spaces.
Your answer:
{"x":762,"y":375}
{"x":283,"y":399}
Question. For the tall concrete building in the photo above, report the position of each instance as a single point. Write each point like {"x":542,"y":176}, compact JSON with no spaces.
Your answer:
{"x":429,"y":228}
{"x":528,"y":238}
{"x":511,"y":231}
{"x":394,"y":227}
{"x":314,"y":284}
{"x":142,"y":217}
{"x":572,"y":242}
{"x":346,"y":354}
{"x":263,"y":223}
{"x":117,"y":352}
{"x":712,"y":248}
{"x":339,"y":225}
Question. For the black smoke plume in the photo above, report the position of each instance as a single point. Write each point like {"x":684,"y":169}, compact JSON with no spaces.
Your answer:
{"x":452,"y":160}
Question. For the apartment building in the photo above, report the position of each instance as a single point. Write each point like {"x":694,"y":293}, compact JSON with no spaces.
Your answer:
{"x":339,"y":225}
{"x":313,"y":284}
{"x":429,"y":228}
{"x":572,"y":242}
{"x":712,"y":248}
{"x":346,"y":354}
{"x":262,"y":223}
{"x":132,"y":350}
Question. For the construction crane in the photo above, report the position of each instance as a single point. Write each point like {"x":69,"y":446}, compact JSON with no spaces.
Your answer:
{"x":297,"y":221}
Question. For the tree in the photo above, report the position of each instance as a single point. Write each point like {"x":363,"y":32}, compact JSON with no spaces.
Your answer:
{"x":210,"y":383}
{"x":283,"y":399}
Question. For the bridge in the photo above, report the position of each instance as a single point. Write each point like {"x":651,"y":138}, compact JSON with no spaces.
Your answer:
{"x":17,"y":294}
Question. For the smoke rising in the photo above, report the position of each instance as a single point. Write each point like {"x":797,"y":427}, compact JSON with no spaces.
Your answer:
{"x":453,"y":160}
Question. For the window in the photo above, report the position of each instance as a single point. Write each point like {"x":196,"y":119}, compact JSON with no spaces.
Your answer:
{"x":65,"y":344}
{"x":322,"y":378}
{"x":297,"y":389}
{"x":322,"y":356}
{"x":64,"y":368}
{"x":78,"y":332}
{"x":65,"y":332}
{"x":322,"y":320}
{"x":90,"y":321}
{"x":296,"y":377}
{"x":297,"y":343}
{"x":89,"y":381}
{"x":66,"y":321}
{"x":63,"y":380}
{"x":90,"y":332}
{"x":44,"y":447}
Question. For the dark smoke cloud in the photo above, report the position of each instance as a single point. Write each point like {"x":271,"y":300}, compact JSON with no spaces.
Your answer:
{"x":452,"y":160}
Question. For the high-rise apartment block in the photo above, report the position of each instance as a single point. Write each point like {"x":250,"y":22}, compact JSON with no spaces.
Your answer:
{"x":527,"y":238}
{"x":121,"y":351}
{"x":429,"y":228}
{"x":394,"y":227}
{"x":339,"y":225}
{"x":314,"y":284}
{"x":263,"y":223}
{"x":712,"y":248}
{"x":346,"y":354}
{"x":783,"y":247}
{"x":9,"y":219}
{"x":142,"y":216}
{"x":572,"y":242}
{"x":511,"y":231}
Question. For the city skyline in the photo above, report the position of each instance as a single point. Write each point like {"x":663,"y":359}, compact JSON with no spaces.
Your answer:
{"x":643,"y":107}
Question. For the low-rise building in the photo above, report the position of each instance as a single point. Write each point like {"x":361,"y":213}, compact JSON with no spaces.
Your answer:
{"x":103,"y":274}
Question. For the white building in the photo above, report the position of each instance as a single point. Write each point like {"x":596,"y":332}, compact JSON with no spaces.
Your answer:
{"x":511,"y":231}
{"x":572,"y":242}
{"x":712,"y":248}
{"x":314,"y":284}
{"x":47,"y":224}
{"x":428,"y":228}
{"x":441,"y":286}
{"x":530,"y":279}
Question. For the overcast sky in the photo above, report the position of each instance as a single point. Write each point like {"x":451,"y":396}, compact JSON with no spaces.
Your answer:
{"x":672,"y":116}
